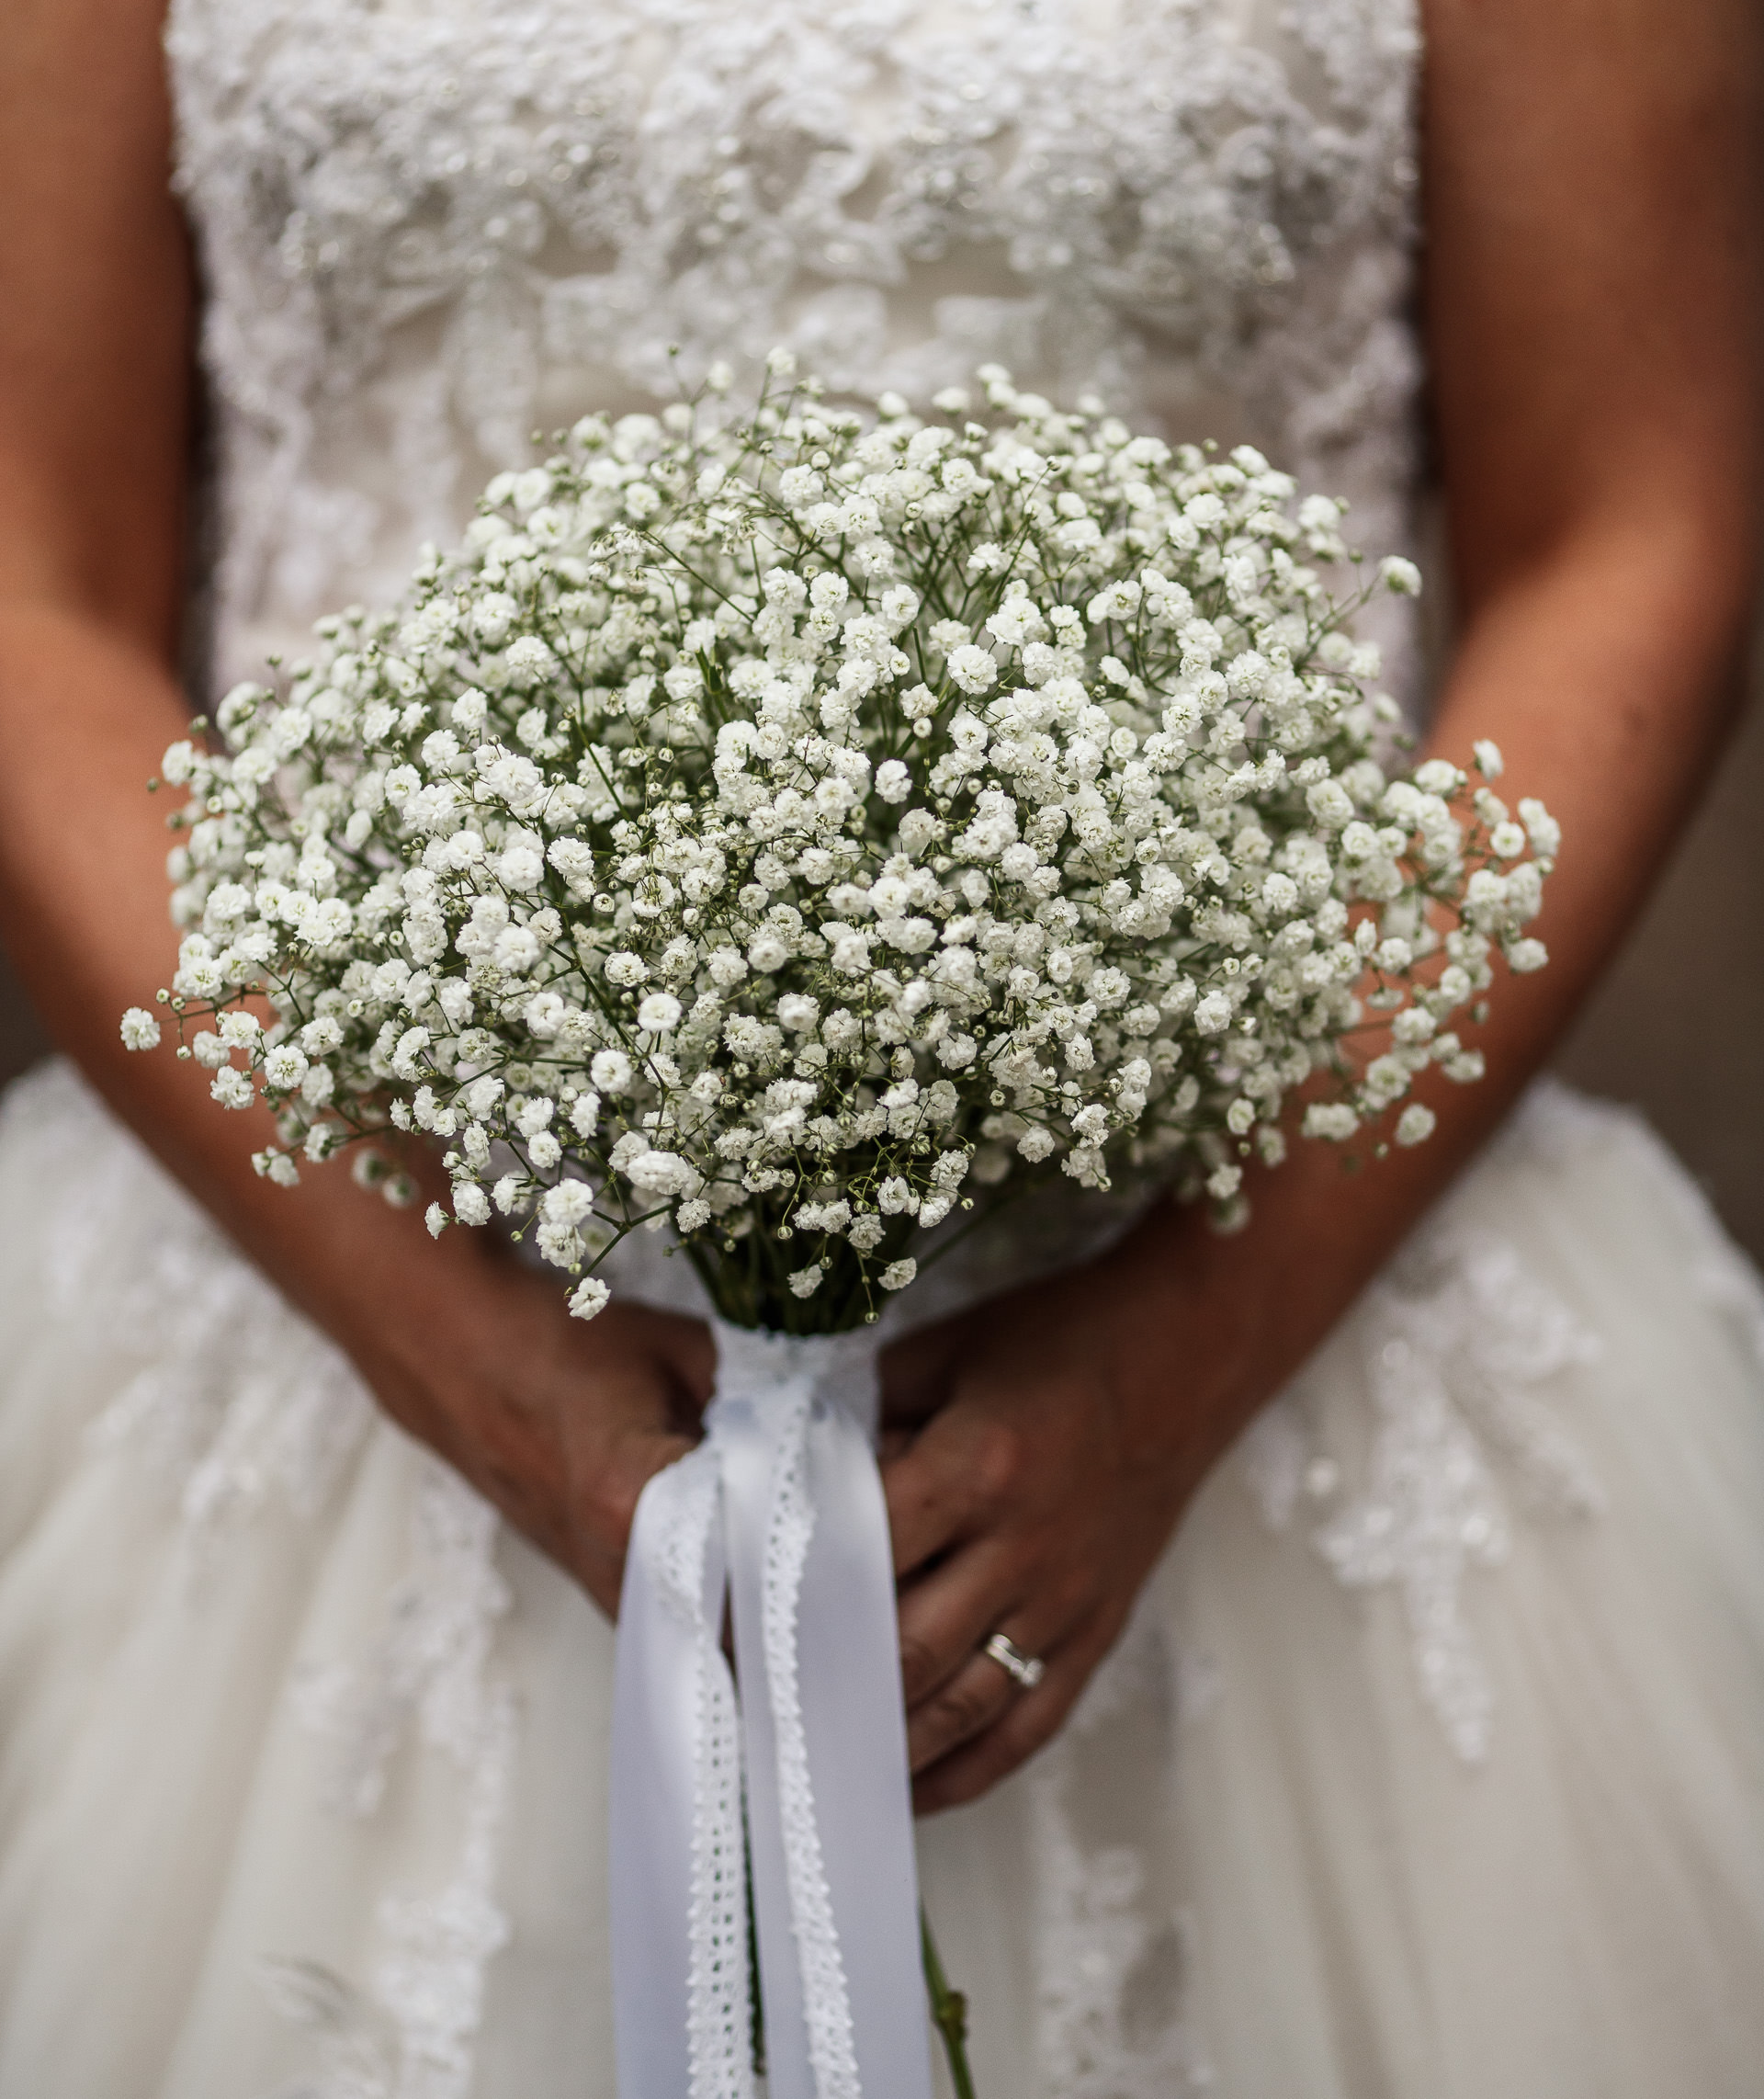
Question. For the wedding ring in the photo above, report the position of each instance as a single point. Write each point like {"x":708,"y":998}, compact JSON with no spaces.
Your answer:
{"x":1028,"y":1669}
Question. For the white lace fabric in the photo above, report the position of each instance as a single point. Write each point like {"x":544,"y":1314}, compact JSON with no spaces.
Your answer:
{"x":428,"y":231}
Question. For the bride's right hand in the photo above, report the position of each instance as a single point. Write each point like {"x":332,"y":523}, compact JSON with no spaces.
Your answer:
{"x":560,"y":1423}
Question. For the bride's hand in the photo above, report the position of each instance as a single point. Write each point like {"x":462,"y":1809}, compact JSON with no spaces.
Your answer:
{"x":560,"y":1423}
{"x":1043,"y":1446}
{"x":1057,"y":1444}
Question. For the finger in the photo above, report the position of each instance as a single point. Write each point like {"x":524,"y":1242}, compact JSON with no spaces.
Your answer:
{"x":976,"y":1764}
{"x":969,"y":1704}
{"x":605,"y":1510}
{"x":949,"y":1613}
{"x":968,"y":1699}
{"x":962,"y":1464}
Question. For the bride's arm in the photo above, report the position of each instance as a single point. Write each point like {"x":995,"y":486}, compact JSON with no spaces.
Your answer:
{"x":559,"y":1422}
{"x":1591,"y":180}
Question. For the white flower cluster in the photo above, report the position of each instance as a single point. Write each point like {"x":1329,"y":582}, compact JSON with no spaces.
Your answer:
{"x":779,"y":828}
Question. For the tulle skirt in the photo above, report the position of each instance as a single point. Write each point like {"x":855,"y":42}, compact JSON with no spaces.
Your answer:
{"x":1430,"y":1767}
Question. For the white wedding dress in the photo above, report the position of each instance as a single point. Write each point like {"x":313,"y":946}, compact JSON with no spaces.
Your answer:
{"x":1433,"y":1763}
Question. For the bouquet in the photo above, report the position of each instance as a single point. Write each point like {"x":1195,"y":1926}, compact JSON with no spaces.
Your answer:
{"x":802,"y":831}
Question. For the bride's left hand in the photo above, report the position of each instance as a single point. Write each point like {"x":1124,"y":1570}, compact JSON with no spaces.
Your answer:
{"x":1053,"y":1441}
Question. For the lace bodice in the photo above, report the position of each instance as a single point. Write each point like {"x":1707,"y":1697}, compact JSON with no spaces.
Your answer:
{"x":431,"y":226}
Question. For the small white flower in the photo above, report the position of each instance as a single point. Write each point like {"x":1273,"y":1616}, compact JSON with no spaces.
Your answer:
{"x":436,"y":1219}
{"x":611,"y":1072}
{"x":1544,"y":831}
{"x":1333,"y":1120}
{"x":585,"y":1115}
{"x":659,"y":1013}
{"x":807,"y":1281}
{"x":233,"y":1088}
{"x":1489,"y":762}
{"x":893,"y":782}
{"x":471,"y":1204}
{"x":1415,"y":1124}
{"x":285,"y":1066}
{"x":662,"y":1173}
{"x":589,"y":1298}
{"x":972,"y":669}
{"x":1400,"y":576}
{"x":520,"y":868}
{"x":569,"y":1203}
{"x":1524,"y":956}
{"x":139,"y":1030}
{"x":897,"y":1274}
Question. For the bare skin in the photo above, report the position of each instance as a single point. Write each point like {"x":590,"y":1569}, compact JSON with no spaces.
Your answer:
{"x":1593,"y":315}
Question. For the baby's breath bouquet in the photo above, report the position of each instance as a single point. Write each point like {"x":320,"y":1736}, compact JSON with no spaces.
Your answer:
{"x":786,"y":828}
{"x":783,"y":829}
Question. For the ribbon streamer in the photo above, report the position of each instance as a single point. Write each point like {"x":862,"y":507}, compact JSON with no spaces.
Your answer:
{"x":779,"y":1512}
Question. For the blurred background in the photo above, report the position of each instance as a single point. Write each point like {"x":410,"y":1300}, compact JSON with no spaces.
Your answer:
{"x":1677,"y":1026}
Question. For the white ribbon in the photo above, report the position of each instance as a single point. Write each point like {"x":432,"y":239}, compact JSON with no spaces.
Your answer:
{"x":780,"y":1511}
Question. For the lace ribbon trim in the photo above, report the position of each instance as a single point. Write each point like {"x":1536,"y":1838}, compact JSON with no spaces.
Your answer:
{"x":827,"y":1998}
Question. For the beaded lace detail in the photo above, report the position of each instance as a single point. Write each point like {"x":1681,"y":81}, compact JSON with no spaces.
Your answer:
{"x":1457,"y":1338}
{"x":1115,"y":1950}
{"x":427,"y":230}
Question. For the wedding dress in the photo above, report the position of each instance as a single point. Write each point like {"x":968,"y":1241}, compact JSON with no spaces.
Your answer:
{"x":1432,"y":1763}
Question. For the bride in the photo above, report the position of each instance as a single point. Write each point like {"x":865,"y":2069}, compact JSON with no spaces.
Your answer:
{"x":1397,"y":1565}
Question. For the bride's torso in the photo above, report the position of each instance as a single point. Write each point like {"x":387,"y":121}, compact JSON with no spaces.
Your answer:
{"x":430,"y":228}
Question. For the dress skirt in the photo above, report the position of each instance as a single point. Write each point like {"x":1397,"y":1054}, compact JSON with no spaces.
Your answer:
{"x":1432,"y":1766}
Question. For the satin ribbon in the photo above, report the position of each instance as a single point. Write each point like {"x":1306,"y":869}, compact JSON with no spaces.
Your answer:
{"x":779,"y":1512}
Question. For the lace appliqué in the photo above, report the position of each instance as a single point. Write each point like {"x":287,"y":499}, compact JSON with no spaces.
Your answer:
{"x":1457,"y":1336}
{"x":1114,"y":1951}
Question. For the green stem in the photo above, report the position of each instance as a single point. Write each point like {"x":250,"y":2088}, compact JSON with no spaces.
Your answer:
{"x":948,"y":2013}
